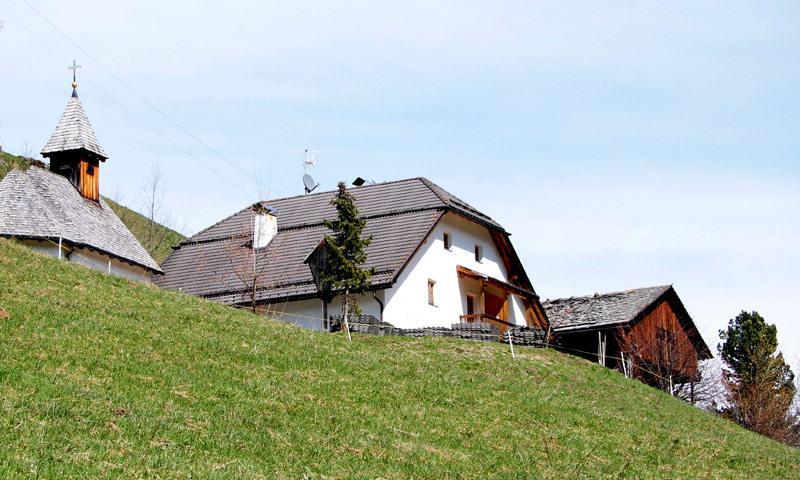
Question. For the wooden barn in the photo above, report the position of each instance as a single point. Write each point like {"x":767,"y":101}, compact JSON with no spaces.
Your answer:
{"x":645,"y":333}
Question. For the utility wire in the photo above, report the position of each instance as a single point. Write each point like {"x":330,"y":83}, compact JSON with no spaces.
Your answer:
{"x":126,"y":109}
{"x":137,"y":94}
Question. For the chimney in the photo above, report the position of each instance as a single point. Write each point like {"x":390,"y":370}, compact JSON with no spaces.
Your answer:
{"x":265,"y":225}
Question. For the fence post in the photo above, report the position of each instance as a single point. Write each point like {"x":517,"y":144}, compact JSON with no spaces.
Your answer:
{"x":510,"y":343}
{"x":346,"y":323}
{"x":624,"y":367}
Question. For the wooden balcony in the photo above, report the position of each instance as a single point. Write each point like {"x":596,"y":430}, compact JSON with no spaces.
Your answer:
{"x":482,"y":317}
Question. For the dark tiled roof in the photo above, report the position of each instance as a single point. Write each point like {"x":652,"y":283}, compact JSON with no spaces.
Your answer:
{"x":37,"y":203}
{"x":600,"y":310}
{"x":399,"y":216}
{"x":73,"y":132}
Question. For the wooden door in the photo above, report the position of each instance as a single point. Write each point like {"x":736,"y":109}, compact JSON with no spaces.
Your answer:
{"x":497,"y":307}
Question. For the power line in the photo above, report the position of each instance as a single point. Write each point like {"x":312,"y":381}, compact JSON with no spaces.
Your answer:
{"x":137,"y":94}
{"x":126,"y":109}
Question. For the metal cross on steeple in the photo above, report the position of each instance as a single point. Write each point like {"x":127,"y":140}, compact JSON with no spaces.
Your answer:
{"x":74,"y":69}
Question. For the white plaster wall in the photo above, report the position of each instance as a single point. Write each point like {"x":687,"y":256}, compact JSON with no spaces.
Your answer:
{"x":407,"y":302}
{"x":308,"y":313}
{"x":91,"y":259}
{"x":99,"y":261}
{"x":44,"y":247}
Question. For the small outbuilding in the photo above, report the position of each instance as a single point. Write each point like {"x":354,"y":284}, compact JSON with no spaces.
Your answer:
{"x":645,"y":333}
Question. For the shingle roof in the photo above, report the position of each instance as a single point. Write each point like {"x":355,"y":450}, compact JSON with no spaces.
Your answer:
{"x":600,"y":310}
{"x":400,"y":214}
{"x":37,"y":203}
{"x":73,"y":132}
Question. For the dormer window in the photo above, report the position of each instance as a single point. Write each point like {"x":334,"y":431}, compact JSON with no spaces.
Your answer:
{"x":448,"y":241}
{"x":478,"y":253}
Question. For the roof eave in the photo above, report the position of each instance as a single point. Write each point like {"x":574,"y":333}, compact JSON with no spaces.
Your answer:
{"x":54,"y":239}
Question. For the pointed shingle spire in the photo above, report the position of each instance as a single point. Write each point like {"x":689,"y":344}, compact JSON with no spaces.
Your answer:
{"x":74,"y":132}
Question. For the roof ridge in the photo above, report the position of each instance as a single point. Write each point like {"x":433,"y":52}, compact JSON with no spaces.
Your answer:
{"x":606,"y":294}
{"x":301,"y":226}
{"x":301,"y":195}
{"x":390,"y":182}
{"x":430,"y":186}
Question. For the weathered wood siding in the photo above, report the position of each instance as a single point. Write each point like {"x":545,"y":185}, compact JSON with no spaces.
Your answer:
{"x":661,"y":319}
{"x":90,"y":179}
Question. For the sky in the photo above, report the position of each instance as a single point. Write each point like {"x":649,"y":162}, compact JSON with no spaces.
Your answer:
{"x":623,"y":144}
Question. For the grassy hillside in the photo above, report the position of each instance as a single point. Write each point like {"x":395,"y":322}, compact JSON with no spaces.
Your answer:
{"x":9,"y":162}
{"x":160,"y":241}
{"x":101,"y":377}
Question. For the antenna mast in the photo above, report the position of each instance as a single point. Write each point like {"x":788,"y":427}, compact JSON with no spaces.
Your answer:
{"x":309,"y":162}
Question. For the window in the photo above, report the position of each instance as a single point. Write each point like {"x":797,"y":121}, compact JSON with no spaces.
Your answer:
{"x":431,"y":291}
{"x":470,"y":304}
{"x":478,"y":253}
{"x":448,"y":241}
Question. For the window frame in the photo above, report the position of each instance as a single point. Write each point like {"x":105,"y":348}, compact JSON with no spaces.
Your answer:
{"x":479,"y":253}
{"x":432,"y":292}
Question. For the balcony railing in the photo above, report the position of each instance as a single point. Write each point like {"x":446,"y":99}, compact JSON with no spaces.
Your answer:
{"x":482,"y":317}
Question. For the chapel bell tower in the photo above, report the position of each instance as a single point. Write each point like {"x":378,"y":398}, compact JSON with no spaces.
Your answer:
{"x":73,"y":149}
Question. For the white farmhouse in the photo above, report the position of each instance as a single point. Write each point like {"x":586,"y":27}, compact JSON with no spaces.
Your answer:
{"x":60,"y":212}
{"x":437,"y":260}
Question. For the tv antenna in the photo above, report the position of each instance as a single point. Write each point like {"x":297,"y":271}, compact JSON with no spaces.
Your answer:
{"x":309,"y":162}
{"x":309,"y":159}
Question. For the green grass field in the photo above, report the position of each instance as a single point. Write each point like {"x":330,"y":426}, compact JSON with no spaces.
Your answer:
{"x":101,"y":377}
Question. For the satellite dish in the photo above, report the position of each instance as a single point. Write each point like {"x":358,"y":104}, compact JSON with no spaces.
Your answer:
{"x":309,"y":183}
{"x":359,"y":181}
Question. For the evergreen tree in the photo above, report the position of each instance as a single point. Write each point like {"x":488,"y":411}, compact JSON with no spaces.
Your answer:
{"x":749,"y":345}
{"x":345,"y":254}
{"x":761,"y":384}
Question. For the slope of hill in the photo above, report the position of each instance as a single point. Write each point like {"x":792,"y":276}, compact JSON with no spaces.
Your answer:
{"x":100,"y":376}
{"x":157,"y":239}
{"x":9,"y":162}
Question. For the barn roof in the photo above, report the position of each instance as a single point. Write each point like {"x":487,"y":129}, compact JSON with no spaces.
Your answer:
{"x":399,"y":214}
{"x":598,"y":311}
{"x":43,"y":205}
{"x":73,"y":132}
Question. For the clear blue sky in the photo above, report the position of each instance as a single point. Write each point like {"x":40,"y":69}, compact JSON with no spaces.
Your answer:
{"x":623,"y":144}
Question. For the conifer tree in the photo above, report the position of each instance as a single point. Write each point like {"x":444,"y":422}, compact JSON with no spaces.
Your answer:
{"x":345,"y":253}
{"x":761,"y":384}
